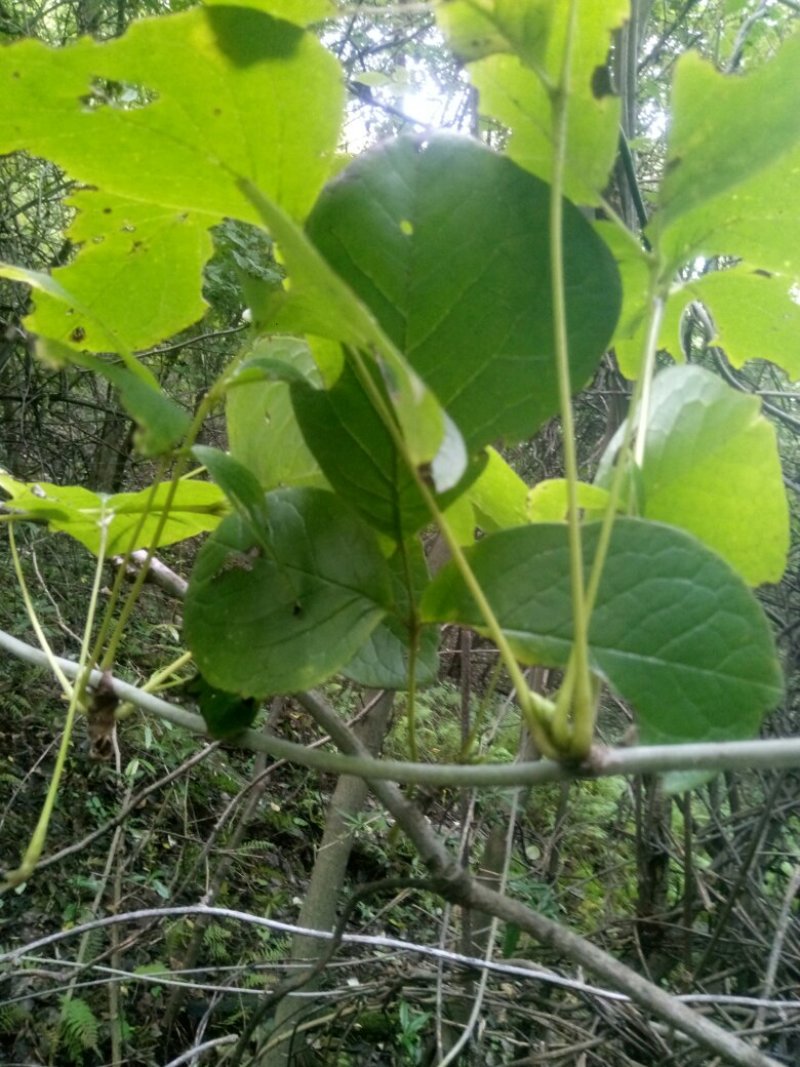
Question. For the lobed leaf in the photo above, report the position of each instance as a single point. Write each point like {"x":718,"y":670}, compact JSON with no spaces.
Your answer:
{"x":516,"y":85}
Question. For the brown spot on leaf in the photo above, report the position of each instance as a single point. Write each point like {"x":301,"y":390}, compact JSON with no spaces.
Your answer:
{"x":77,"y":334}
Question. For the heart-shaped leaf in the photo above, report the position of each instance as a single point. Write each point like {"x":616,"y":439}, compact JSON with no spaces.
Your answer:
{"x":447,"y":243}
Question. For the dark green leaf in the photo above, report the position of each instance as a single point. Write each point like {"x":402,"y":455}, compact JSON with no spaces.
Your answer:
{"x":238,"y":483}
{"x":260,"y":623}
{"x":447,"y":243}
{"x":382,"y":663}
{"x":675,"y":630}
{"x":359,"y":457}
{"x":225,"y":714}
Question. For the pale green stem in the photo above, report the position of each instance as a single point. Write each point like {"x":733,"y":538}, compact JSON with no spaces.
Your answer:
{"x":181,"y":463}
{"x":646,"y":377}
{"x":116,"y":588}
{"x":575,"y":704}
{"x":636,"y":417}
{"x":536,"y":709}
{"x":55,"y":667}
{"x":36,"y":844}
{"x":154,"y":683}
{"x":650,"y":759}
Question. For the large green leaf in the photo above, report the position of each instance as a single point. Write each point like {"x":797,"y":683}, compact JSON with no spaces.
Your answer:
{"x":263,"y":433}
{"x":729,"y":157}
{"x":674,"y":630}
{"x":711,"y":466}
{"x":447,"y":243}
{"x":196,"y":507}
{"x":383,"y":661}
{"x":225,"y":93}
{"x":138,"y":268}
{"x":756,"y":315}
{"x":274,"y":622}
{"x":515,"y":86}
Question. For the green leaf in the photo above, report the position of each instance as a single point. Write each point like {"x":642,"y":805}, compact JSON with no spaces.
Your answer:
{"x":225,"y":714}
{"x":358,"y":456}
{"x":724,"y":150}
{"x":447,"y":243}
{"x":261,"y":624}
{"x":548,"y":501}
{"x":162,"y":423}
{"x":222,"y":94}
{"x":756,"y":316}
{"x":53,"y":289}
{"x":499,"y":495}
{"x":711,"y":466}
{"x":635,"y":269}
{"x":138,"y":267}
{"x":318,"y":302}
{"x":263,"y":433}
{"x":515,"y":87}
{"x":383,"y":662}
{"x":674,"y":630}
{"x":303,"y":12}
{"x":197,"y":507}
{"x":239,"y":485}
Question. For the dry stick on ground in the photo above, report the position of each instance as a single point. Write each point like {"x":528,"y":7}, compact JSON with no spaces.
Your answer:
{"x":455,"y":884}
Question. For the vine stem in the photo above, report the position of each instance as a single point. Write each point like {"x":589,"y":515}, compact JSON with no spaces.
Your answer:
{"x":36,"y":844}
{"x":537,"y":709}
{"x":637,"y":419}
{"x":576,"y":700}
{"x":755,"y":754}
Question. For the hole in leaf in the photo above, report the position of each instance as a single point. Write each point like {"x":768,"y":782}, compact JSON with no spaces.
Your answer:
{"x":122,"y":96}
